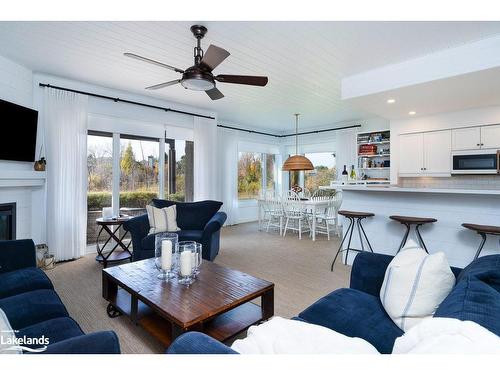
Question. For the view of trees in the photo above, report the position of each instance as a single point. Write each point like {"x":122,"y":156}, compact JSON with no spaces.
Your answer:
{"x":320,"y":176}
{"x":249,"y":175}
{"x":139,"y":172}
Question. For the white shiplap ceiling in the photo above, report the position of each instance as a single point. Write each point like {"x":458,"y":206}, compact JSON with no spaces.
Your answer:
{"x":305,"y":61}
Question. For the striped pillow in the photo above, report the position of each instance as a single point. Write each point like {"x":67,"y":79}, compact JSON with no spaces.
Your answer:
{"x":162,"y":219}
{"x":415,"y":284}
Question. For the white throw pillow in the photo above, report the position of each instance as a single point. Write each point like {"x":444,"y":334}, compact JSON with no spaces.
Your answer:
{"x":415,"y":284}
{"x":284,"y":336}
{"x":162,"y":219}
{"x":447,"y":336}
{"x":7,"y":336}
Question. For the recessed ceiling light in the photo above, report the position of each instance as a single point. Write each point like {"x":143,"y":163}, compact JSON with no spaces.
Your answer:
{"x":411,"y":113}
{"x":390,"y":101}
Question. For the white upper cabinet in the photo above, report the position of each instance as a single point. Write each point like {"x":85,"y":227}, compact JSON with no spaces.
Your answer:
{"x":425,"y":154}
{"x":466,"y":138}
{"x":411,"y":154}
{"x":476,"y":138}
{"x":437,"y":153}
{"x":490,"y":136}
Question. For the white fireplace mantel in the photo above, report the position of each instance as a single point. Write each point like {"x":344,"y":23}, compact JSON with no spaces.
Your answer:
{"x":14,"y":178}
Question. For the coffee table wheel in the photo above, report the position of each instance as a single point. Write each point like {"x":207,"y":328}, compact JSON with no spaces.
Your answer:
{"x":112,"y":311}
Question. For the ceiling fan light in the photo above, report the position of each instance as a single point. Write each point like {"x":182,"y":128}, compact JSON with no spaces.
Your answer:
{"x":198,"y":84}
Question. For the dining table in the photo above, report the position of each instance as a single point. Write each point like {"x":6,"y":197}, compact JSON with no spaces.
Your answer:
{"x":311,"y":205}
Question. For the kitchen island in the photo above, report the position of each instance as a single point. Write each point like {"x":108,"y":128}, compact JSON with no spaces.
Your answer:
{"x":451,"y":207}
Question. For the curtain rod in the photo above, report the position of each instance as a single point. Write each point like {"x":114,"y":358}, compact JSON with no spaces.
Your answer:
{"x":116,"y":100}
{"x":289,"y":135}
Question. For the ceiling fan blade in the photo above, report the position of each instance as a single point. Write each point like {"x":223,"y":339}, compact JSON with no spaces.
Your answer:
{"x":242,"y":80}
{"x":214,"y":56}
{"x":214,"y":94}
{"x":145,"y":59}
{"x":164,"y":84}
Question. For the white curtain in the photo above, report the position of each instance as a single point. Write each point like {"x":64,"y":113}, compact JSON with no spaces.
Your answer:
{"x":228,"y":175}
{"x":205,"y":159}
{"x":65,"y":122}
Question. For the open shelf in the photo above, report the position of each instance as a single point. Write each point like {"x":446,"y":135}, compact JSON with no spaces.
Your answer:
{"x":221,"y":327}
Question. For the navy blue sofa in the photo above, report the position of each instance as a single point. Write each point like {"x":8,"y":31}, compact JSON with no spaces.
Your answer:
{"x":34,"y":309}
{"x":198,"y":221}
{"x":357,"y":311}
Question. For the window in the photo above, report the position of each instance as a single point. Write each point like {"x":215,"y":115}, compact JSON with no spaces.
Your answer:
{"x":179,"y":165}
{"x":249,"y":175}
{"x":324,"y":170}
{"x":256,"y":173}
{"x":270,"y":171}
{"x":138,"y":171}
{"x":100,"y":170}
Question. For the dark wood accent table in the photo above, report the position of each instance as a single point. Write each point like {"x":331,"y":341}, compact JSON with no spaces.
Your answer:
{"x":114,"y":255}
{"x":218,"y":303}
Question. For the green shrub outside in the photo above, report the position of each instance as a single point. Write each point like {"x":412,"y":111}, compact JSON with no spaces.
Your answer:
{"x":96,"y":200}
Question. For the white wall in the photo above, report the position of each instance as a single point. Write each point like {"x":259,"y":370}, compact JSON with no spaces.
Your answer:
{"x":16,"y":85}
{"x":471,"y":117}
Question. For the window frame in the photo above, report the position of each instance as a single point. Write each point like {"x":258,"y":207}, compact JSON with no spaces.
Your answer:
{"x":242,"y":202}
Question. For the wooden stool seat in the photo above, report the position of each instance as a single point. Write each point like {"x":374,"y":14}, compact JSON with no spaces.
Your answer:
{"x":413,"y":219}
{"x":482,"y":230}
{"x":408,"y":221}
{"x":356,"y":214}
{"x":487,"y":229}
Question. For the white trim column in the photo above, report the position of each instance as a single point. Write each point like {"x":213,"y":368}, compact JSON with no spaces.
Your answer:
{"x":115,"y":196}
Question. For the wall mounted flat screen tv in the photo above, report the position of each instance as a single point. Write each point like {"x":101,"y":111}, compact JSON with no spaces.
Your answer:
{"x":17,"y":132}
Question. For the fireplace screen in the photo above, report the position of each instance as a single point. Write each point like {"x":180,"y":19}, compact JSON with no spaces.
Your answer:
{"x":7,"y":221}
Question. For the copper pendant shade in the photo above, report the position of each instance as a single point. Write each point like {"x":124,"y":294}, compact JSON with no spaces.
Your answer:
{"x":297,"y":162}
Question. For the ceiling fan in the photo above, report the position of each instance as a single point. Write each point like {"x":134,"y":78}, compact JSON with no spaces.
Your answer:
{"x":199,"y":77}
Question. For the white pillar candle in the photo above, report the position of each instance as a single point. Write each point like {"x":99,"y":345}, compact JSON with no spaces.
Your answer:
{"x":186,"y":267}
{"x":166,"y":255}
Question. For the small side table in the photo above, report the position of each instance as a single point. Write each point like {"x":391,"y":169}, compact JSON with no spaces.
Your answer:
{"x":115,"y":254}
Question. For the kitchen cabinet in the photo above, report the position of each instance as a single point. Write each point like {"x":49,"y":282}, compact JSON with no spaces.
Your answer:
{"x":425,"y":154}
{"x":466,"y":138}
{"x":437,"y":152}
{"x":411,"y":154}
{"x":476,"y":138}
{"x":490,"y":136}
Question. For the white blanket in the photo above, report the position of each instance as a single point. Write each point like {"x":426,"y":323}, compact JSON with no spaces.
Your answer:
{"x":284,"y":336}
{"x":447,"y":336}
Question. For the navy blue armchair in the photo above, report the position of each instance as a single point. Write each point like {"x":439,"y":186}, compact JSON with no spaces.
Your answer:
{"x":34,"y":309}
{"x":358,"y":312}
{"x":198,"y":221}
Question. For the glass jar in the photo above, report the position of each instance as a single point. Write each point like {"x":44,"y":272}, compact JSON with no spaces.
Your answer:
{"x":166,"y":249}
{"x":187,"y":262}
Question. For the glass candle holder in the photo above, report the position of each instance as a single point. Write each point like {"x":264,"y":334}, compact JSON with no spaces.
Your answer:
{"x":198,"y":258}
{"x":166,"y":247}
{"x":187,"y":261}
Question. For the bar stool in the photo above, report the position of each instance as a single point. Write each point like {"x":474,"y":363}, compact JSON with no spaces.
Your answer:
{"x":354,"y":218}
{"x":408,"y":221}
{"x":482,"y":230}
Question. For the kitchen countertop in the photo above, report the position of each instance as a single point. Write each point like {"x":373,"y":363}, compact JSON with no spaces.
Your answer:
{"x":398,"y":189}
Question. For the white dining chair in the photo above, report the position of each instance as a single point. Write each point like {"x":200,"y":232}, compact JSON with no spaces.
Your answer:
{"x":329,"y":220}
{"x":296,"y":218}
{"x":275,"y":214}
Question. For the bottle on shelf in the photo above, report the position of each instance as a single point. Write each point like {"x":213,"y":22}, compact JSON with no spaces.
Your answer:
{"x":353,"y":174}
{"x":345,"y":175}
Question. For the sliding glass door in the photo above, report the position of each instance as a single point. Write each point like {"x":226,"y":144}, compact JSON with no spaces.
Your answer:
{"x":138,"y":169}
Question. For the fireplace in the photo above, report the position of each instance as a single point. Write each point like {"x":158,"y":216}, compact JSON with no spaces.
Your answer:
{"x":7,"y":221}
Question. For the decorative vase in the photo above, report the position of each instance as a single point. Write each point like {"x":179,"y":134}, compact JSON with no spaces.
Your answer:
{"x":40,"y":165}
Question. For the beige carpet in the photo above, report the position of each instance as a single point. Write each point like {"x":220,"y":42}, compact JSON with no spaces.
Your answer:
{"x":300,"y":270}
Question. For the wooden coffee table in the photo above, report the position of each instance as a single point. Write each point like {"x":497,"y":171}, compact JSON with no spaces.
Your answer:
{"x":218,"y":303}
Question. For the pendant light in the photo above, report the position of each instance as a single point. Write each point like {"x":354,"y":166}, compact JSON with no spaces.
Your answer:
{"x":297,"y":162}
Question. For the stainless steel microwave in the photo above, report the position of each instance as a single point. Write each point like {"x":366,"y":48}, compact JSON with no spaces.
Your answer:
{"x":475,"y":162}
